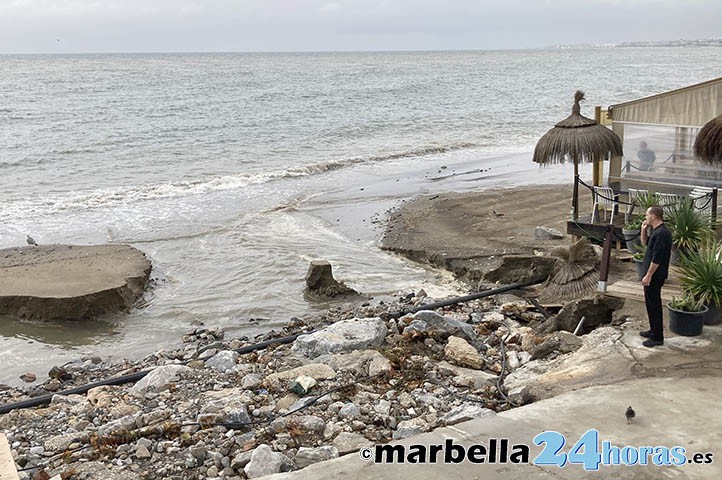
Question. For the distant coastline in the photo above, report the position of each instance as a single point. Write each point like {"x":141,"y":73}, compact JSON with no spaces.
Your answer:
{"x":706,"y":42}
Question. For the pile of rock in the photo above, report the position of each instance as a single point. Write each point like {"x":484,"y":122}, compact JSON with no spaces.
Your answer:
{"x":358,"y":376}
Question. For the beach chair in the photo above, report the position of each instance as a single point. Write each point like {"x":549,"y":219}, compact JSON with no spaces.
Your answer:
{"x":667,"y":201}
{"x":606,"y":198}
{"x":702,"y":198}
{"x":632,"y":201}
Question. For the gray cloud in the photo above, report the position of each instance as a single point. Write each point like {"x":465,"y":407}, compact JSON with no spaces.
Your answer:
{"x":281,"y":25}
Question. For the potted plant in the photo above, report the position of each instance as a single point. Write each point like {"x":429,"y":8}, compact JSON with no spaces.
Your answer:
{"x":700,"y":273}
{"x":632,"y":233}
{"x":632,"y":230}
{"x":638,"y":257}
{"x":689,"y":228}
{"x":686,"y":315}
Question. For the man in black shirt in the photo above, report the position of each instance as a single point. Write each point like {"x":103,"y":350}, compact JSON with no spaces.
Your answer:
{"x":656,"y":263}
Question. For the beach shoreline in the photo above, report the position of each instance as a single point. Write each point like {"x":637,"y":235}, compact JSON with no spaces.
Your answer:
{"x":406,"y":382}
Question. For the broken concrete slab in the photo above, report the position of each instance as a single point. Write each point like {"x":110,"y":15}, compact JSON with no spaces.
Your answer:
{"x":57,"y":282}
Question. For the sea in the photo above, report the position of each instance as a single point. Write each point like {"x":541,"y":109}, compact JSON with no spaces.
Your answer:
{"x":232,"y":171}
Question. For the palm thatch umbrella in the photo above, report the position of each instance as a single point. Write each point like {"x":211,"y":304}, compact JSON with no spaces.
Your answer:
{"x":708,"y":144}
{"x":574,"y":273}
{"x":579,"y":139}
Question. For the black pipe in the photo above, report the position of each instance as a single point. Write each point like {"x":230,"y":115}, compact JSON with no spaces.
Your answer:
{"x":134,"y":377}
{"x":466,"y":298}
{"x":130,"y":378}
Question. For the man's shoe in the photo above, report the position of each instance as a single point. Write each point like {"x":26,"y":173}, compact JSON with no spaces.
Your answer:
{"x":646,"y":334}
{"x":651,"y":342}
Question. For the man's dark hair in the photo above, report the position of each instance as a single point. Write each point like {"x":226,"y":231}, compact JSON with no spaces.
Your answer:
{"x":657,"y":211}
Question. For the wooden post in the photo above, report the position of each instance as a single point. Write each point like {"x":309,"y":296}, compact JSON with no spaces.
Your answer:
{"x":575,"y":196}
{"x":714,"y":207}
{"x":606,"y":256}
{"x":597,"y":161}
{"x":7,"y":464}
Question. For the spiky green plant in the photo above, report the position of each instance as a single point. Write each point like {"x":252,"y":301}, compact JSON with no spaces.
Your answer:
{"x":700,"y":272}
{"x":686,"y":303}
{"x":689,"y":227}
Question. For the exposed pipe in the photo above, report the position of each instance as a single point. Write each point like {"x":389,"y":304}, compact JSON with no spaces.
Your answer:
{"x":134,"y":377}
{"x":130,"y":378}
{"x":466,"y":298}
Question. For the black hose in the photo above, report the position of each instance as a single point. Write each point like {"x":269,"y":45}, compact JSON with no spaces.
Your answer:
{"x":467,"y":298}
{"x":130,"y":378}
{"x":134,"y":377}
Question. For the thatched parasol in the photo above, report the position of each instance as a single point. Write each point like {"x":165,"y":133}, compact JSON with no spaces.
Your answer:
{"x":576,"y":138}
{"x":708,"y":144}
{"x":574,"y":274}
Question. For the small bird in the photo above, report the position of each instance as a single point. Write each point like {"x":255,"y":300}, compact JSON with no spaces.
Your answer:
{"x":630,"y":414}
{"x":496,"y":214}
{"x":31,"y":240}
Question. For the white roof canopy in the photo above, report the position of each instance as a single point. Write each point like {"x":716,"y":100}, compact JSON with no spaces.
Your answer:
{"x":691,"y":106}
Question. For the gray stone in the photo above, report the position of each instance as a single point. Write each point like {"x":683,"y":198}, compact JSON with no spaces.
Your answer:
{"x":317,"y":371}
{"x":265,"y":461}
{"x":252,"y":380}
{"x":198,"y":452}
{"x":62,"y":442}
{"x":466,"y":377}
{"x":241,"y":460}
{"x":223,"y":361}
{"x":349,"y":410}
{"x":409,"y":428}
{"x":160,"y":378}
{"x":379,"y":366}
{"x":142,"y":452}
{"x":346,"y":442}
{"x":568,"y":342}
{"x":227,"y":405}
{"x":127,"y":422}
{"x":429,"y":400}
{"x":429,"y":323}
{"x":358,"y":361}
{"x":342,"y":336}
{"x":547,"y":233}
{"x":520,"y":395}
{"x":544,"y":349}
{"x":461,"y":353}
{"x":464,"y":412}
{"x":306,"y":456}
{"x":383,"y":407}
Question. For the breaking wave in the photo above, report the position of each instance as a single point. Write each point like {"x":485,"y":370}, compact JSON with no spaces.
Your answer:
{"x":133,"y":194}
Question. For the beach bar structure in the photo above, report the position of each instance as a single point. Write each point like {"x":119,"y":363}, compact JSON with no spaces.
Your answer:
{"x":667,"y":123}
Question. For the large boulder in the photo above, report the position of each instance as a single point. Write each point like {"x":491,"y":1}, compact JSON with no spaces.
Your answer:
{"x":56,"y":282}
{"x":342,"y":336}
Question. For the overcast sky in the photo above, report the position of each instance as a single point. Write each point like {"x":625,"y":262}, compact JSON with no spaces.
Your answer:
{"x":50,"y":26}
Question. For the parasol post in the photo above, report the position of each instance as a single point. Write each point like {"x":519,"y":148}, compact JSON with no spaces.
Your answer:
{"x":606,"y":254}
{"x":575,"y":197}
{"x":714,"y":207}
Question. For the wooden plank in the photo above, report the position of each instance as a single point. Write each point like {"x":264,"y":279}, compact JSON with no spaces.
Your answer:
{"x":635,"y":291}
{"x":7,"y":464}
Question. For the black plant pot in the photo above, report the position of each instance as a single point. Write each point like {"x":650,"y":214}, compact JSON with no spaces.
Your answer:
{"x":712,"y":317}
{"x":688,"y":324}
{"x":632,"y":240}
{"x":640,"y":269}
